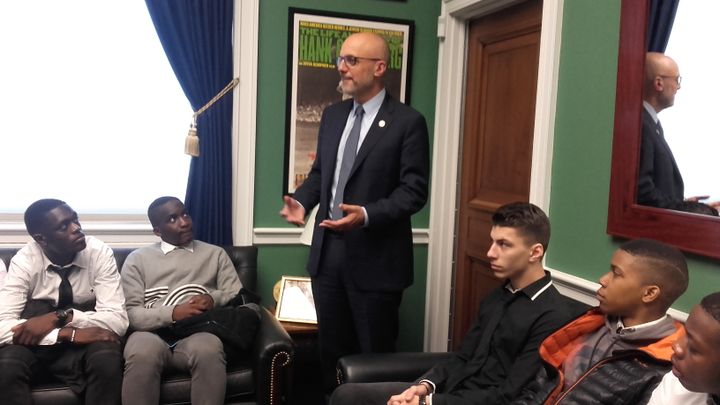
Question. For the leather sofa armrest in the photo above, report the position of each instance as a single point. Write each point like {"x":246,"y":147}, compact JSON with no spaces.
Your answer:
{"x":379,"y":367}
{"x":272,"y":354}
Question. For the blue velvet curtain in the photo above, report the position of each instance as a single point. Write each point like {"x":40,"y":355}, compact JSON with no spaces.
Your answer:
{"x":660,"y":22}
{"x":197,"y":38}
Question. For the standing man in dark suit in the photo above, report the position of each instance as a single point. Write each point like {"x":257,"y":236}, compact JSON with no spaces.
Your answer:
{"x":660,"y":183}
{"x":370,"y":175}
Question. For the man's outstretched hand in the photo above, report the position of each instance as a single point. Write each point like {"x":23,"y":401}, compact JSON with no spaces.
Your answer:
{"x":292,"y":211}
{"x":354,"y":218}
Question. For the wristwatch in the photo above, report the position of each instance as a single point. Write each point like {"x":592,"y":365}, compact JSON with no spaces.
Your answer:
{"x":62,"y":315}
{"x":421,"y":400}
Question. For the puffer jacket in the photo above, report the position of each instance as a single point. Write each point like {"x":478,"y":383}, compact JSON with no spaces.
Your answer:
{"x":626,"y":377}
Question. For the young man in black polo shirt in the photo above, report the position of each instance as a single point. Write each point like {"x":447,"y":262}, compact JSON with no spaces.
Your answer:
{"x":499,"y":354}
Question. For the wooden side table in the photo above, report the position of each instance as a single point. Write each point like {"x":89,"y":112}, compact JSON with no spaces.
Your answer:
{"x":297,"y":328}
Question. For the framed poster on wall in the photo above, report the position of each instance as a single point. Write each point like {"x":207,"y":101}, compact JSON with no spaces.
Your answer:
{"x":313,"y":47}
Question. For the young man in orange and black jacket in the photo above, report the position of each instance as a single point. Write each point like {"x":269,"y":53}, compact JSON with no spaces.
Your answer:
{"x":618,"y":352}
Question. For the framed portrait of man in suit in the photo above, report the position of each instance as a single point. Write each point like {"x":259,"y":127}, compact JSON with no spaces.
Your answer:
{"x":313,"y":47}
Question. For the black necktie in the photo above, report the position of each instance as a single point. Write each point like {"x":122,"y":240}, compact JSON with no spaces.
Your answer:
{"x":347,"y":163}
{"x":65,"y":293}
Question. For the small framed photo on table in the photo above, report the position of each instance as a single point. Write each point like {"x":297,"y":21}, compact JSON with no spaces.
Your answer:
{"x":295,"y":302}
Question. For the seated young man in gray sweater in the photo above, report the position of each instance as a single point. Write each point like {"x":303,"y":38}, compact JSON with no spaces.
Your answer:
{"x":168,"y":282}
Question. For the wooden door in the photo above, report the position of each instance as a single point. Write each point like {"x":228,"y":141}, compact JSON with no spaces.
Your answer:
{"x":503,"y":51}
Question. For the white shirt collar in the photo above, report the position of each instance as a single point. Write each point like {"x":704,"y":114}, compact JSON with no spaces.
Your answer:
{"x":622,"y":329}
{"x":79,"y":261}
{"x":372,"y":106}
{"x":167,"y":247}
{"x":650,"y":111}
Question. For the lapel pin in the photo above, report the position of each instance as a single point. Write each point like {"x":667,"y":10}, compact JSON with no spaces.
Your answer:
{"x":381,"y":124}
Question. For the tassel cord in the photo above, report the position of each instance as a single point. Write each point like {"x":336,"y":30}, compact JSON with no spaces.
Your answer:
{"x":192,"y":142}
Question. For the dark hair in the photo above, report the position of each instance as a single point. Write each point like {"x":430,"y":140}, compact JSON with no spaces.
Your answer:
{"x":157,"y":203}
{"x":711,"y":304}
{"x":35,"y":214}
{"x":528,"y":219}
{"x":666,"y":267}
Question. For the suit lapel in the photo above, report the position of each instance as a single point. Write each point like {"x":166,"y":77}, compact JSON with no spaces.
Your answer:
{"x":668,"y":152}
{"x":377,"y":130}
{"x":660,"y":134}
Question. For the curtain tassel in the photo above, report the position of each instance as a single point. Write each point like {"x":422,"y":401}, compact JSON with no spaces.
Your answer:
{"x":192,"y":141}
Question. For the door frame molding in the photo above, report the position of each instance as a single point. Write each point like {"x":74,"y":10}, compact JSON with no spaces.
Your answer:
{"x":452,"y":32}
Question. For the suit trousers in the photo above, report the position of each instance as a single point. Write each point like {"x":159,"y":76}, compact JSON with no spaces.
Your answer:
{"x":350,"y":320}
{"x":367,"y":393}
{"x":147,"y":356}
{"x":93,"y":371}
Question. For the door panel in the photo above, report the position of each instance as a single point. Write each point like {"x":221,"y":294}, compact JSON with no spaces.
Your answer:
{"x":499,"y":115}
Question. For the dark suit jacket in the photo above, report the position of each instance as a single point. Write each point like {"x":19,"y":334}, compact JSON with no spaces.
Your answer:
{"x":389,"y":178}
{"x":659,"y":181}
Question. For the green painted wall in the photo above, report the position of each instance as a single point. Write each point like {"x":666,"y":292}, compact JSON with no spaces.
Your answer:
{"x":582,"y":150}
{"x":274,"y":261}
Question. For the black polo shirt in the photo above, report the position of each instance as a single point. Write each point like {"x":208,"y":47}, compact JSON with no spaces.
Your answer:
{"x":499,"y":354}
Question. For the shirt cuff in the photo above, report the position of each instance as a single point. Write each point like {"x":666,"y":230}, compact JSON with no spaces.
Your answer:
{"x":432,"y":385}
{"x":217,"y":297}
{"x":367,"y":219}
{"x":51,"y":338}
{"x":79,"y":319}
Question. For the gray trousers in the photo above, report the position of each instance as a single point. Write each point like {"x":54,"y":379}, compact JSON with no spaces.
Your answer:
{"x":147,"y":355}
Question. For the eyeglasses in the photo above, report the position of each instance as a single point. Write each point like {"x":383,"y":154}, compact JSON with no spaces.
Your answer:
{"x":677,"y":78}
{"x":352,"y":60}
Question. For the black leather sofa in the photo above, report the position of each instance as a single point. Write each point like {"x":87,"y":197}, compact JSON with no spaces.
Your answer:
{"x":262,"y":378}
{"x":381,"y":367}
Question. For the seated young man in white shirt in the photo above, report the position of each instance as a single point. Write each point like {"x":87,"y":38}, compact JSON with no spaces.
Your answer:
{"x":695,"y":376}
{"x":61,"y":310}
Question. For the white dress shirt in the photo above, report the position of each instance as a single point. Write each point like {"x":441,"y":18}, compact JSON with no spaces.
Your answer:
{"x":95,"y":277}
{"x":3,"y":273}
{"x":671,"y":392}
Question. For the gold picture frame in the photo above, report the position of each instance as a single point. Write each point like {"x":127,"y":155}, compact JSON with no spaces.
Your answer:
{"x":295,"y":302}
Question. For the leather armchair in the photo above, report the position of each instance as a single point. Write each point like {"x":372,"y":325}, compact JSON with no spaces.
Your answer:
{"x":383,"y":367}
{"x":260,"y":378}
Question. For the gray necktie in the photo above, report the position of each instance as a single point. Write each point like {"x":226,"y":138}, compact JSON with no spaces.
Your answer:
{"x":347,"y":163}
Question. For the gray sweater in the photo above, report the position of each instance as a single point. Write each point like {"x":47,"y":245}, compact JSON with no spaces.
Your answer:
{"x":154,"y":282}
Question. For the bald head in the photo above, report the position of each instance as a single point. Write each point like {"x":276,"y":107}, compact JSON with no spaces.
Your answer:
{"x":372,"y":43}
{"x":362,"y":64}
{"x":662,"y":80}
